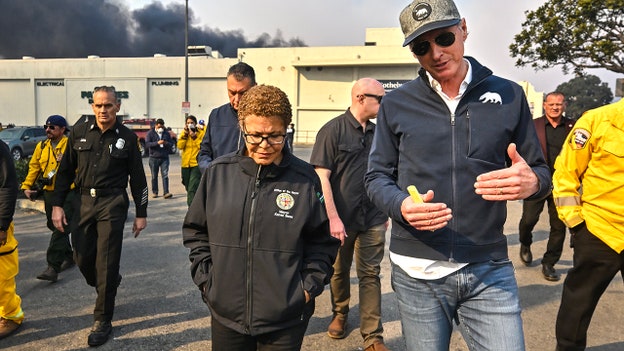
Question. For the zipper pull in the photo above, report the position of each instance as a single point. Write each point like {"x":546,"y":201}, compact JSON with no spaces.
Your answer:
{"x":453,"y":119}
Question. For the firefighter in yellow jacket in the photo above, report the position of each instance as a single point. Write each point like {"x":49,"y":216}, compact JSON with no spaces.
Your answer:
{"x":592,"y":159}
{"x":44,"y":163}
{"x":11,"y":314}
{"x":189,"y":143}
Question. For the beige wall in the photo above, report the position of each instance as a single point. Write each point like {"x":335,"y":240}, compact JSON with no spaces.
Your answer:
{"x":32,"y":89}
{"x":318,"y":81}
{"x":534,"y":98}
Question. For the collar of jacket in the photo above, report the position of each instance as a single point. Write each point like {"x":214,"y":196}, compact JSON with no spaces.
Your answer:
{"x":115,"y":127}
{"x":250,"y":167}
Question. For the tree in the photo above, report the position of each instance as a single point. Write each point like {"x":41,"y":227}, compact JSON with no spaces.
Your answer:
{"x":584,"y":93}
{"x":577,"y":34}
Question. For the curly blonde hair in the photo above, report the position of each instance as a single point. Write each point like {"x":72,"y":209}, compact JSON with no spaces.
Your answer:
{"x":265,"y":101}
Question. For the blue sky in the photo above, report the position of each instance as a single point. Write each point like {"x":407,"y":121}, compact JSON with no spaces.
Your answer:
{"x":492,"y":25}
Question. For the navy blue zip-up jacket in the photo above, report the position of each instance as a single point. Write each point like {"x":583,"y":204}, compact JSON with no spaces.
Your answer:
{"x":419,"y":141}
{"x":258,"y":236}
{"x":223,"y":135}
{"x":151,"y":143}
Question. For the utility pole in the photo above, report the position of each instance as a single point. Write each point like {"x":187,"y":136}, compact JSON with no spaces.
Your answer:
{"x":186,"y":82}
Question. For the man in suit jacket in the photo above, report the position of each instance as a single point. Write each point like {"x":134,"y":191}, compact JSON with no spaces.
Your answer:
{"x":552,"y":129}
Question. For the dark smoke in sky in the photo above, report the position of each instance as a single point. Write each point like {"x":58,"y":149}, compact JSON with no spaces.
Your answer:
{"x":108,"y":28}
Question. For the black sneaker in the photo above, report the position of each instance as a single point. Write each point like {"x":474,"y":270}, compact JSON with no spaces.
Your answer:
{"x":99,"y":333}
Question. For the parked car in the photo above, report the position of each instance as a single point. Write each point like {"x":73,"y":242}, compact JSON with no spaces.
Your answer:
{"x":140,"y":127}
{"x":22,"y":140}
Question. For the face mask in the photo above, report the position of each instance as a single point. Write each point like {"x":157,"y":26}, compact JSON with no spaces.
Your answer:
{"x":191,"y":125}
{"x":160,"y":130}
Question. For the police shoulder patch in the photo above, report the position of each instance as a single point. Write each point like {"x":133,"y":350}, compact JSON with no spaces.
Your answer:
{"x":579,"y":138}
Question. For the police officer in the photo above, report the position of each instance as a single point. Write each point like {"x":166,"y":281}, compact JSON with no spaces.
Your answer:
{"x":100,"y":156}
{"x":45,"y":162}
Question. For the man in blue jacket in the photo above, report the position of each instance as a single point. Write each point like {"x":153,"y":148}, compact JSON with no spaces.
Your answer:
{"x":222,"y":133}
{"x":158,"y":142}
{"x":465,"y":138}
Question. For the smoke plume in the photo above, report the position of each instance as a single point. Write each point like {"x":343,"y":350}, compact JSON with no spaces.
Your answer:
{"x":108,"y":28}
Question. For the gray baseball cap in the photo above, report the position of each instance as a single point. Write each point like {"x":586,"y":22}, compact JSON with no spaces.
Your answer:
{"x":422,"y":16}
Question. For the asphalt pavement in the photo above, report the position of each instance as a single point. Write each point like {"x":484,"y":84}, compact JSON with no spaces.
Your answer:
{"x":159,"y":307}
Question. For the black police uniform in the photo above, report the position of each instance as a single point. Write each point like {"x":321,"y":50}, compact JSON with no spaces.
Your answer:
{"x":99,"y":163}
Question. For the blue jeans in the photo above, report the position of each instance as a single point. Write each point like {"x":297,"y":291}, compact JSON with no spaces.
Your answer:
{"x":163,"y":164}
{"x":482,"y":298}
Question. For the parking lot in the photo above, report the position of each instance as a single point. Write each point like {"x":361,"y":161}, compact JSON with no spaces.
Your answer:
{"x":159,"y":308}
{"x":22,"y":140}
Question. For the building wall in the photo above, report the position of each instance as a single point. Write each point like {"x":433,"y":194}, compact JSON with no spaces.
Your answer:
{"x":534,"y":98}
{"x":33,"y":89}
{"x":318,"y":81}
{"x":17,"y":100}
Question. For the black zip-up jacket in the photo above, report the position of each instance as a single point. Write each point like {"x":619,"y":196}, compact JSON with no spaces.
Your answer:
{"x":258,"y":236}
{"x":419,"y":141}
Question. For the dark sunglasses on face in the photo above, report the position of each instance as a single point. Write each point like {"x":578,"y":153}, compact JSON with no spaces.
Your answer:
{"x":50,"y":127}
{"x":444,"y":40}
{"x":378,"y":97}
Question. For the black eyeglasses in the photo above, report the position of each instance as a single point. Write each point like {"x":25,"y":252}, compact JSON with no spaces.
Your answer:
{"x":274,"y":139}
{"x":444,"y":40}
{"x":50,"y":127}
{"x":378,"y":97}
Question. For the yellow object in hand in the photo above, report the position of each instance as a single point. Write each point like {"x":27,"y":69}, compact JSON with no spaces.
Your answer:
{"x":414,"y":194}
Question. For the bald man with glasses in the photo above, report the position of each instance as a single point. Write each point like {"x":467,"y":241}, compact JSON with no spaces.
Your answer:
{"x":340,"y":156}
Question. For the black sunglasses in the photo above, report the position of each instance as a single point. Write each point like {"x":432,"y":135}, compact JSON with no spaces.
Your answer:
{"x":444,"y":40}
{"x":378,"y":97}
{"x":50,"y":127}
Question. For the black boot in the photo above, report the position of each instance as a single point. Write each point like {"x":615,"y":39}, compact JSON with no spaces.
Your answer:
{"x":99,"y":333}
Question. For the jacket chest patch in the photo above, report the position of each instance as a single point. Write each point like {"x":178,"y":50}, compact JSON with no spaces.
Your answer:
{"x":285,"y":202}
